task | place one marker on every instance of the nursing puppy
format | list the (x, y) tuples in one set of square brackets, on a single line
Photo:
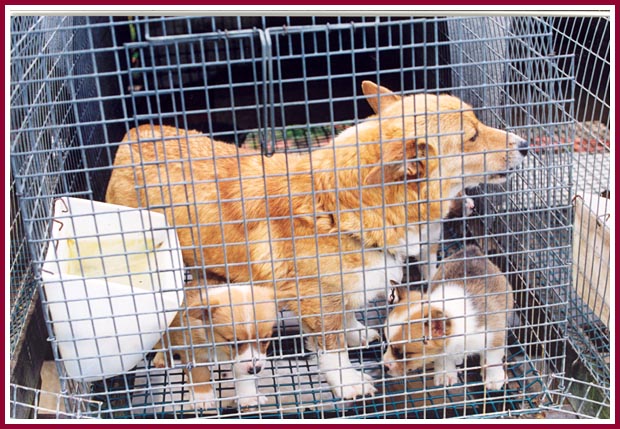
[(465, 312), (330, 228), (460, 208), (221, 324)]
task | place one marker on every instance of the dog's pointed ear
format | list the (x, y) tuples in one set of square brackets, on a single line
[(202, 301), (372, 91)]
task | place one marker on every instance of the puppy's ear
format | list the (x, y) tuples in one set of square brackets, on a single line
[(372, 92), (420, 160), (438, 326), (199, 302)]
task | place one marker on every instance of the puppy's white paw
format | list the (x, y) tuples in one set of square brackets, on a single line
[(448, 379), (468, 207), (494, 378), (251, 401), (362, 337), (352, 384), (204, 399)]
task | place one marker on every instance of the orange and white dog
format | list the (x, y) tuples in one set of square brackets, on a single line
[(465, 312), (221, 324), (329, 229)]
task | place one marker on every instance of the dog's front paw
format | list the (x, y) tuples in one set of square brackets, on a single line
[(494, 378), (447, 379), (362, 337), (352, 384), (251, 401), (204, 399)]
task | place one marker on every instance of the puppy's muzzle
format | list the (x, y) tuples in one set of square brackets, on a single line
[(251, 366), (255, 369)]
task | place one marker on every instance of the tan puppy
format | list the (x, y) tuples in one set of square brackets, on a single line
[(235, 321), (464, 313), (331, 227)]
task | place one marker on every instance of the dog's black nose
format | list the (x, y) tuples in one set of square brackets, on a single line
[(523, 146), (255, 369)]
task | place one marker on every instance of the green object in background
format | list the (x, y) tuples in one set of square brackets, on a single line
[(297, 137)]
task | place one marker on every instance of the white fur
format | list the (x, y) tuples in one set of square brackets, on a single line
[(204, 399), (418, 243), (357, 334), (382, 270), (379, 271), (346, 382), (245, 380), (467, 337), (469, 207)]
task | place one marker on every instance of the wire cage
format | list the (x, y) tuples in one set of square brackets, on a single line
[(49, 405), (121, 285)]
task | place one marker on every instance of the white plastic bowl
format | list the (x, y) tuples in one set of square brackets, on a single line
[(113, 282)]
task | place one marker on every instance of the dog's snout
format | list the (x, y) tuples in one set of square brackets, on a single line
[(523, 146), (516, 142)]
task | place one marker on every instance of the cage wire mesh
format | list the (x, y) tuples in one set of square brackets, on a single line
[(40, 404), (279, 88), (591, 297)]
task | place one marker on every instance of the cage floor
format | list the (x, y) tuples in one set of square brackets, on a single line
[(591, 172), (294, 389)]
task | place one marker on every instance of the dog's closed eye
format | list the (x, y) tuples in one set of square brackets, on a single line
[(397, 352)]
